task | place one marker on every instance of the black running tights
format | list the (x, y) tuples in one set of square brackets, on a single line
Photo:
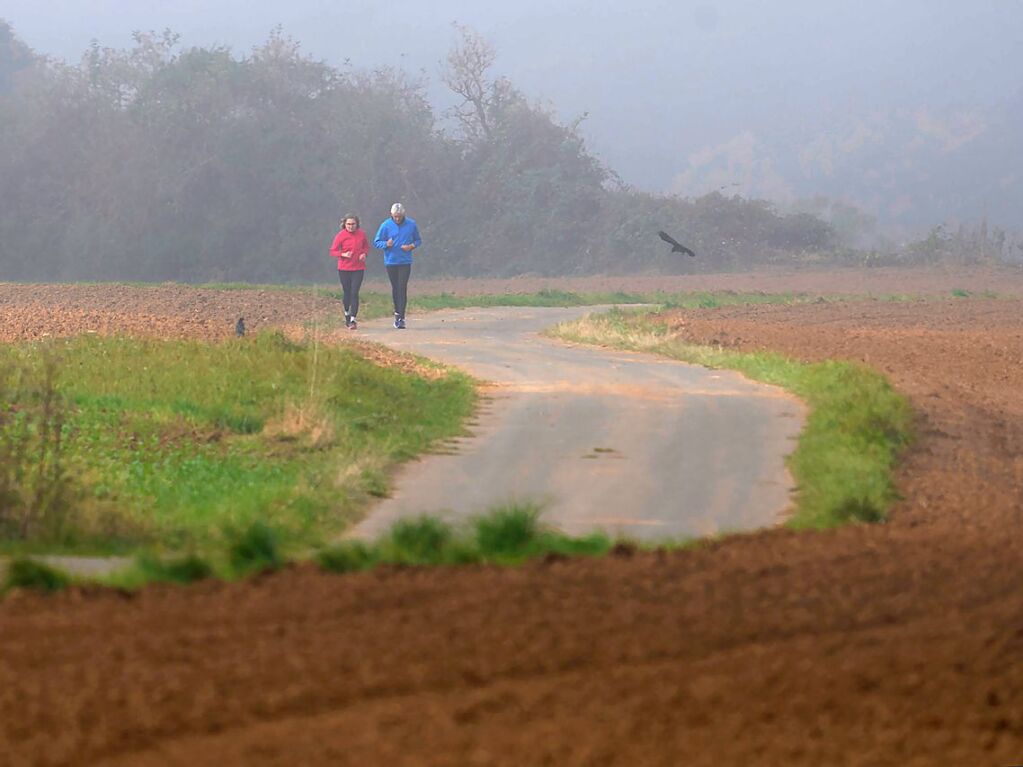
[(351, 282)]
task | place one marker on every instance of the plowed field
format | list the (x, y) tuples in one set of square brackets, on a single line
[(892, 644)]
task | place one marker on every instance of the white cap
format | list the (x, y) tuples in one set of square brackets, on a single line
[(397, 209)]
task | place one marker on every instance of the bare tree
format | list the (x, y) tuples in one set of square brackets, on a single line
[(466, 74)]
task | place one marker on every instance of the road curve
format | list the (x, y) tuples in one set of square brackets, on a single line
[(633, 444)]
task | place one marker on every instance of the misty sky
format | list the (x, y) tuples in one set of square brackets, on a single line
[(669, 87)]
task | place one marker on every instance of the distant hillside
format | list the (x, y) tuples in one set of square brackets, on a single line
[(908, 168)]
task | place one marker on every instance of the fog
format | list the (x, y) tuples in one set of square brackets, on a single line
[(911, 111)]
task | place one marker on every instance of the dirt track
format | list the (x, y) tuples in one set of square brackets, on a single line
[(894, 644)]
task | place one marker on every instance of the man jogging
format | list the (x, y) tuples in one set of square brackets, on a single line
[(398, 236)]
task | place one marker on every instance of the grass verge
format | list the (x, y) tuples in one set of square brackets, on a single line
[(149, 568), (856, 428), (177, 443), (373, 305), (248, 551), (506, 535)]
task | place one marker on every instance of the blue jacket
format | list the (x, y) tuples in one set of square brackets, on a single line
[(407, 233)]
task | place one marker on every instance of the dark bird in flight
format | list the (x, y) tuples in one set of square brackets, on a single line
[(676, 246), (239, 327)]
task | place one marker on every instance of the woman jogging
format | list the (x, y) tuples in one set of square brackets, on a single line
[(398, 236), (350, 248)]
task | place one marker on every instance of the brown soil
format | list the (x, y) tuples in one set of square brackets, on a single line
[(893, 644), (31, 312)]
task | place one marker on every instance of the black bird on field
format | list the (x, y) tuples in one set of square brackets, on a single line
[(676, 246), (239, 327)]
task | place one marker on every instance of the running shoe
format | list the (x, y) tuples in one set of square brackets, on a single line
[(348, 321), (353, 324), (400, 324)]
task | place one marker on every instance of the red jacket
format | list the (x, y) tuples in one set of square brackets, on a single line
[(350, 242)]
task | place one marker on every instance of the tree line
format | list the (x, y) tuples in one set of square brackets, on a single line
[(160, 162)]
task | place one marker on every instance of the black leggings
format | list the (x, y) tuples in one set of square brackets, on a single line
[(399, 274), (351, 282)]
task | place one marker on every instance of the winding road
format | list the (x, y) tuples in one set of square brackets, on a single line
[(632, 444)]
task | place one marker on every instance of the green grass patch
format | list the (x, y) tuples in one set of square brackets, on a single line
[(244, 552), (148, 568), (507, 535), (256, 549), (374, 305), (963, 293), (508, 531), (565, 298), (23, 573), (419, 541), (348, 556), (423, 540), (855, 431), (177, 443)]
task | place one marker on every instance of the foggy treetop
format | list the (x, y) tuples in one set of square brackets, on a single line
[(912, 111), (165, 162)]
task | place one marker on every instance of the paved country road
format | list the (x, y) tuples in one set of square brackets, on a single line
[(629, 443)]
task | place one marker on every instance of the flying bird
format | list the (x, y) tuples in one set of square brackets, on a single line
[(239, 327), (676, 246)]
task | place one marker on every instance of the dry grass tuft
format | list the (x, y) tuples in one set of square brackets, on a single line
[(307, 424)]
